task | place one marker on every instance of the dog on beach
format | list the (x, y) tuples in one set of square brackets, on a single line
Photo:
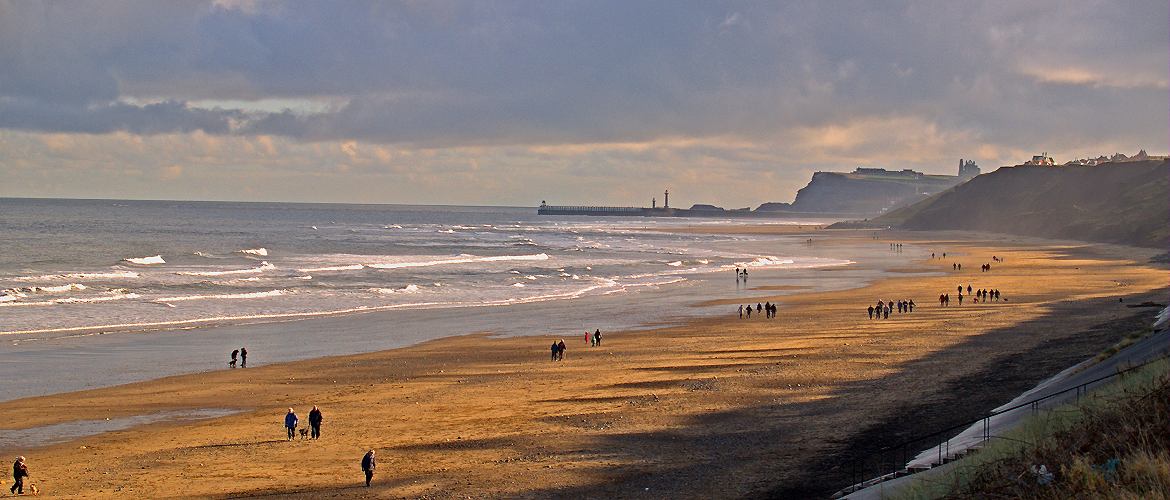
[(35, 491), (304, 433)]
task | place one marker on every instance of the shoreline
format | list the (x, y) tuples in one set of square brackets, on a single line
[(144, 355), (444, 408)]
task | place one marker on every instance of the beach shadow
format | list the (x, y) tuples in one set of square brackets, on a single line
[(804, 450)]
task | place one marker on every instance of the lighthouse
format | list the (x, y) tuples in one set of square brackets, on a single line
[(666, 199)]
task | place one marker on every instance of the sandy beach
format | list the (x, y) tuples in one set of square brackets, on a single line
[(717, 407)]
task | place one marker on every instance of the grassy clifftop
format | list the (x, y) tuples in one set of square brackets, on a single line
[(1127, 203)]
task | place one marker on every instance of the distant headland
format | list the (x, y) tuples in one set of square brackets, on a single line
[(861, 193)]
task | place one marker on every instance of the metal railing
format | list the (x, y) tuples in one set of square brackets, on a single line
[(889, 462)]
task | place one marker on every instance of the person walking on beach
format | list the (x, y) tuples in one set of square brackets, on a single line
[(368, 466), (597, 337), (968, 289), (887, 313), (315, 422), (235, 354), (588, 338), (749, 311), (910, 304), (243, 357), (554, 351), (19, 472), (870, 312), (561, 350), (741, 311), (290, 423)]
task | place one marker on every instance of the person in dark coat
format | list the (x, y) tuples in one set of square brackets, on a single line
[(368, 466), (235, 354), (290, 423), (19, 472), (315, 422), (243, 357)]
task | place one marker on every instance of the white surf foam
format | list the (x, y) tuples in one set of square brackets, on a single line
[(262, 252), (146, 261), (71, 300), (405, 289), (353, 267), (462, 259), (79, 276), (20, 292), (264, 266), (249, 295)]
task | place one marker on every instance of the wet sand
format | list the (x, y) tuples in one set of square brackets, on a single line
[(713, 408)]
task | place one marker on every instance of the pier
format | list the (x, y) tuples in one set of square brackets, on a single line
[(593, 210)]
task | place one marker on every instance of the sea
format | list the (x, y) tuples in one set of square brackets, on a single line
[(102, 292)]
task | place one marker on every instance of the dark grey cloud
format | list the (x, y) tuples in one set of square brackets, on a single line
[(459, 73)]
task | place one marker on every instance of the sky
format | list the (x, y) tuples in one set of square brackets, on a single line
[(593, 102)]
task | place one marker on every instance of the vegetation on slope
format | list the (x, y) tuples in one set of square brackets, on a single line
[(1126, 203), (1115, 444)]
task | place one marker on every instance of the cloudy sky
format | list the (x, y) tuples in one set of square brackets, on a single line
[(510, 102)]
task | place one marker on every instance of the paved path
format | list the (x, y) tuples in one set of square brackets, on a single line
[(1151, 347)]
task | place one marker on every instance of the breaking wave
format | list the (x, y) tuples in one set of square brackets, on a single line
[(146, 261)]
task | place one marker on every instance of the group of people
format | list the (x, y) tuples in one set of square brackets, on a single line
[(741, 274), (315, 418), (883, 308), (985, 295), (241, 355), (369, 464), (897, 247), (558, 350), (594, 339), (768, 309)]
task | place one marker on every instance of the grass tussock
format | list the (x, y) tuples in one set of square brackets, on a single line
[(1114, 445), (1127, 341)]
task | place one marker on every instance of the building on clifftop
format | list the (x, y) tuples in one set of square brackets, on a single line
[(968, 169), (1043, 159)]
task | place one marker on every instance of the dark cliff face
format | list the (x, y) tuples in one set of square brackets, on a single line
[(1127, 203), (834, 192)]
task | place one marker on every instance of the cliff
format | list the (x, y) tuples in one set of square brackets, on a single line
[(862, 192), (1126, 203)]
